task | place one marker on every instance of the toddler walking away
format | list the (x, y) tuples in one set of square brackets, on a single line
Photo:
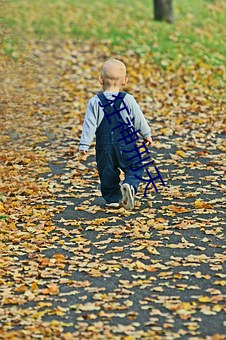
[(114, 117)]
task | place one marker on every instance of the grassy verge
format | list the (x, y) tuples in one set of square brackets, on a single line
[(197, 33)]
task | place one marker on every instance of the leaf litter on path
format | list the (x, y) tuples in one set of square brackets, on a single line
[(69, 267)]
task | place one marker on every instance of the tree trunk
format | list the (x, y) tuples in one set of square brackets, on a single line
[(163, 10)]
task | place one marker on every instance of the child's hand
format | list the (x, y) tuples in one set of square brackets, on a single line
[(83, 152), (148, 141)]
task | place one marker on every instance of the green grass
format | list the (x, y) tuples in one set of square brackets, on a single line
[(198, 31)]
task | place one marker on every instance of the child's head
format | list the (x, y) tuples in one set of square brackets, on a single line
[(113, 75)]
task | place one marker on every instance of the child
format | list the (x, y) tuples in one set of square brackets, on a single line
[(114, 117)]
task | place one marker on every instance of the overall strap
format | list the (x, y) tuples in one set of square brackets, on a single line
[(105, 103)]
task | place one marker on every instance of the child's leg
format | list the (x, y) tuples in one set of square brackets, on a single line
[(131, 179), (107, 166), (129, 167)]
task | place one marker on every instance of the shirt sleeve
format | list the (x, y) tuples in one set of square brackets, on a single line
[(89, 128), (140, 122)]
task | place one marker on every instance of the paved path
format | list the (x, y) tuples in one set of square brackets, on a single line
[(153, 273)]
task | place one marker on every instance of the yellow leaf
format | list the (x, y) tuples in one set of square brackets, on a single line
[(34, 286), (222, 282), (38, 315), (160, 226), (158, 289), (100, 221), (202, 205), (192, 326), (204, 299), (140, 265), (217, 308), (183, 240), (181, 153), (67, 336), (187, 305), (78, 239), (153, 251), (44, 304), (115, 250), (1, 208), (12, 225)]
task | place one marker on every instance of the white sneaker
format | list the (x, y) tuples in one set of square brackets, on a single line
[(128, 194), (113, 205)]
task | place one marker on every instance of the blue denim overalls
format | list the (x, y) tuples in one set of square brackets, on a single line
[(110, 156)]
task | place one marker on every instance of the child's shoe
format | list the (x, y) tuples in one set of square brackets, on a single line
[(113, 205), (128, 194)]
